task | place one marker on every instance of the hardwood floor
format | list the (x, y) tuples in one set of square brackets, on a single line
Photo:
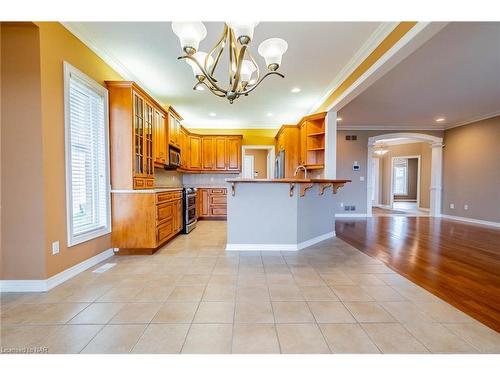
[(455, 261)]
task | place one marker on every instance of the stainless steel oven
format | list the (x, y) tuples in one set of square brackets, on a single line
[(189, 209)]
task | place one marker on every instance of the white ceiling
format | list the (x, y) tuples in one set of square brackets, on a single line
[(455, 75), (147, 53)]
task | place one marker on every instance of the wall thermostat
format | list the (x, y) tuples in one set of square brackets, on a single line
[(355, 166)]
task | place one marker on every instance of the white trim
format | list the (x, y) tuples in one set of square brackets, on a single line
[(51, 282), (436, 167), (474, 119), (352, 215), (391, 197), (391, 127), (411, 41), (279, 247), (470, 220), (366, 49), (270, 149), (68, 71), (384, 206)]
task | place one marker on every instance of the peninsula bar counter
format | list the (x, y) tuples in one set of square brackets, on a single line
[(280, 214)]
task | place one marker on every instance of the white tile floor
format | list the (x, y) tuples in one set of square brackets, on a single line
[(193, 297)]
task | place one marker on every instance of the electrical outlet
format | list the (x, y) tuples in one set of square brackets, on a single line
[(353, 208), (55, 248), (466, 206), (347, 208), (361, 178), (452, 205)]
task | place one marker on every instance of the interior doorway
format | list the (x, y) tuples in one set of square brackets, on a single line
[(393, 182), (258, 162)]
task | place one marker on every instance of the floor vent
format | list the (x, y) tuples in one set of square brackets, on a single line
[(104, 268)]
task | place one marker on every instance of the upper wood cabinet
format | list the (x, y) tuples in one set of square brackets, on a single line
[(174, 128), (160, 139), (220, 161), (132, 135), (207, 153), (184, 147), (233, 153), (304, 144), (195, 154)]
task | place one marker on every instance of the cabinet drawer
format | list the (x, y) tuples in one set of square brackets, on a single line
[(168, 196), (164, 231), (218, 191), (220, 210), (164, 211), (150, 183), (218, 199), (143, 183)]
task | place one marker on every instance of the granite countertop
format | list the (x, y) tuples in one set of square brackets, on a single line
[(151, 191)]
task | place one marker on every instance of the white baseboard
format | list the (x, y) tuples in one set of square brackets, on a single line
[(424, 209), (473, 221), (352, 215), (385, 206), (51, 282), (279, 247)]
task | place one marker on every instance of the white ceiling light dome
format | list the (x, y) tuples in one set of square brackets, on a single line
[(190, 35), (272, 51), (243, 31)]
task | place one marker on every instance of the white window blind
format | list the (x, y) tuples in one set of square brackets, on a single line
[(400, 186), (87, 164)]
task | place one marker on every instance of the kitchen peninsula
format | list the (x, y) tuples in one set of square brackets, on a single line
[(280, 214)]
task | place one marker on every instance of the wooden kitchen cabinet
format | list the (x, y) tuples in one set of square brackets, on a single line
[(135, 137), (212, 203), (233, 153), (184, 147), (195, 153), (220, 160), (174, 127), (207, 153), (160, 139), (143, 222)]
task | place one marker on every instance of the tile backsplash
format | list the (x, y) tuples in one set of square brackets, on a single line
[(167, 178), (207, 179)]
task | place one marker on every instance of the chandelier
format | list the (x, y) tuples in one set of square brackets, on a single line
[(380, 149), (244, 72)]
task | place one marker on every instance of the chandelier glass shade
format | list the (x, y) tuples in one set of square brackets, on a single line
[(244, 72), (380, 150)]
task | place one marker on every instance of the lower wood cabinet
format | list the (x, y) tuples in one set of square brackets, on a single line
[(142, 222), (212, 203)]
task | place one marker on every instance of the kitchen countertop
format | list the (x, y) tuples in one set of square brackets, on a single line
[(287, 180), (146, 191)]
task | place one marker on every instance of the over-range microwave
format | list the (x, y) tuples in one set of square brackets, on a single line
[(174, 157)]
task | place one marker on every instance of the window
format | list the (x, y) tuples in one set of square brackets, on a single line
[(400, 179), (87, 161)]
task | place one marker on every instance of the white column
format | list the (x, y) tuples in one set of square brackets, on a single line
[(369, 180), (331, 145), (436, 179)]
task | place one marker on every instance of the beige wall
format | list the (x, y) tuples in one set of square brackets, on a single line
[(56, 46), (36, 149), (259, 162), (471, 170), (23, 208), (421, 149), (354, 193)]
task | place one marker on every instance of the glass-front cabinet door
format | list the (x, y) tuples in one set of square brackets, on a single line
[(138, 135), (148, 139)]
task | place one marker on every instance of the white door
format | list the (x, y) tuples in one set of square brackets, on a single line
[(248, 171)]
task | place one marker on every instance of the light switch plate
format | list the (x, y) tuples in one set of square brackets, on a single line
[(466, 206), (55, 248), (452, 205)]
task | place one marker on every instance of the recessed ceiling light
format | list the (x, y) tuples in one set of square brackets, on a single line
[(295, 90), (269, 114), (339, 118), (440, 119), (212, 114)]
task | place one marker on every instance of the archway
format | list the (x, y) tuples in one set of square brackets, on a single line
[(436, 144)]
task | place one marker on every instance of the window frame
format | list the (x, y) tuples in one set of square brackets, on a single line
[(72, 239), (405, 192)]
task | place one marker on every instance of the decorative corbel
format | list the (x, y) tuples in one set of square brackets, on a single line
[(233, 189), (292, 188), (323, 186), (304, 187)]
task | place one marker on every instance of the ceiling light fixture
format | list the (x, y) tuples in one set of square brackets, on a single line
[(269, 114), (244, 73), (295, 90), (212, 114), (380, 150), (339, 119), (440, 119)]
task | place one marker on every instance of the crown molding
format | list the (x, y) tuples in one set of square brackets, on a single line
[(366, 49), (105, 55), (474, 119), (389, 127)]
